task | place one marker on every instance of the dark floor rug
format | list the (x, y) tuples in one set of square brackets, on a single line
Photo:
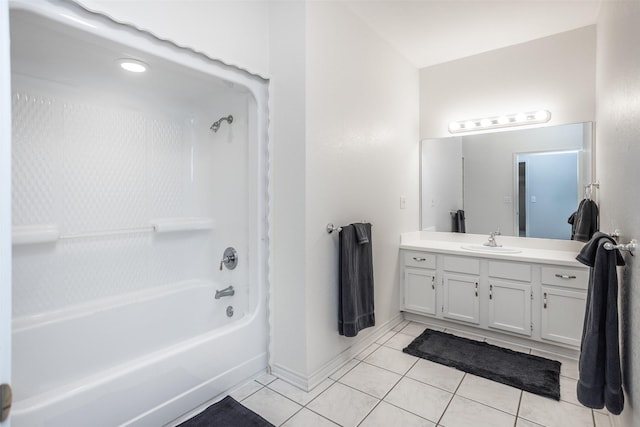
[(524, 371), (227, 413)]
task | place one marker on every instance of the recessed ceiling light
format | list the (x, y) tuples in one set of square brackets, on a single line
[(133, 65)]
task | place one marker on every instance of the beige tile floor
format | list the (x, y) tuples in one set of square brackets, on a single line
[(385, 387)]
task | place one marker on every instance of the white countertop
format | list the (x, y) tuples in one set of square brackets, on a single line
[(548, 251)]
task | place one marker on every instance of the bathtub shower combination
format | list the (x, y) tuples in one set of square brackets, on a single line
[(128, 187)]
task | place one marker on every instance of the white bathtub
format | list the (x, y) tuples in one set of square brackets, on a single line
[(114, 318), (100, 365)]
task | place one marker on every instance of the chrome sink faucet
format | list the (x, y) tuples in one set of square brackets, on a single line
[(492, 239)]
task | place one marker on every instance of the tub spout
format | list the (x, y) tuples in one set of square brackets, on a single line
[(226, 292)]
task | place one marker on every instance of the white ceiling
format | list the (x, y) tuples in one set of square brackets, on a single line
[(429, 32)]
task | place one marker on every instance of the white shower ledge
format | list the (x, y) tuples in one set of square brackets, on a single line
[(559, 252)]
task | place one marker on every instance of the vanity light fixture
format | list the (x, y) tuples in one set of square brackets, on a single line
[(133, 65), (506, 120)]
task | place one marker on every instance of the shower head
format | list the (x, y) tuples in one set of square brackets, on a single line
[(216, 125)]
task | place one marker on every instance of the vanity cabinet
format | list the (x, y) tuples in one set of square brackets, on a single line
[(510, 297), (420, 282), (535, 301), (460, 285), (563, 293)]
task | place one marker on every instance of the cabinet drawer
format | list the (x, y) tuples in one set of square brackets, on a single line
[(510, 270), (566, 276), (462, 265), (420, 260)]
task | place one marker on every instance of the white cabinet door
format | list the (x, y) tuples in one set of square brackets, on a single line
[(420, 290), (461, 301), (562, 315), (510, 307)]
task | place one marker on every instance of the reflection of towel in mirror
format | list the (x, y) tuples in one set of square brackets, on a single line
[(600, 378), (584, 221), (457, 222), (355, 310)]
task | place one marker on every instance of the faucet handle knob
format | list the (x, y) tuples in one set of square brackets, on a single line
[(229, 259)]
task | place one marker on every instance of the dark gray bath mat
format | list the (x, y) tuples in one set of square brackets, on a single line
[(524, 371), (226, 413)]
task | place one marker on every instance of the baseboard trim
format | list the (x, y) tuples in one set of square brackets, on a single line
[(307, 383), (345, 356)]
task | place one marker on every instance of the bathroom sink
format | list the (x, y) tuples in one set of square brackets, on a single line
[(496, 249)]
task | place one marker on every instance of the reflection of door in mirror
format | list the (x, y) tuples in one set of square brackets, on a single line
[(547, 193)]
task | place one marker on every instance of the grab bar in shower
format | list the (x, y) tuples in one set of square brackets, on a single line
[(32, 234), (167, 225), (50, 233)]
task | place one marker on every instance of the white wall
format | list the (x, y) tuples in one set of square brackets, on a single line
[(362, 155), (288, 201), (235, 32), (618, 155), (556, 73)]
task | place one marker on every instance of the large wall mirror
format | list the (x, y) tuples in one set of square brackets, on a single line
[(522, 182)]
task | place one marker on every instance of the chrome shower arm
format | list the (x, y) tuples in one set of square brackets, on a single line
[(216, 125)]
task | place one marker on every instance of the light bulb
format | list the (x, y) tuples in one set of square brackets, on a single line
[(454, 126), (485, 123), (469, 124), (503, 120), (521, 117), (542, 115)]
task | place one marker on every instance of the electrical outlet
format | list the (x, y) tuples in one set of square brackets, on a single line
[(403, 202)]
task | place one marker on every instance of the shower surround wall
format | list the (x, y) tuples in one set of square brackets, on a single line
[(109, 306)]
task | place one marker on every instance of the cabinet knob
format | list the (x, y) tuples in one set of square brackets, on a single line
[(544, 300), (415, 258), (476, 289), (433, 282), (490, 291)]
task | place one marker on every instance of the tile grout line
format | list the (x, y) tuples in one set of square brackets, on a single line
[(518, 410), (403, 376), (455, 392)]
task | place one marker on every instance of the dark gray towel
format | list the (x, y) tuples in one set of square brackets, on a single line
[(356, 311), (457, 222), (600, 382), (584, 221), (362, 233)]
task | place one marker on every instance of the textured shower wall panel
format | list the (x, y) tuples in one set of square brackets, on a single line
[(94, 169), (168, 171), (73, 271), (104, 169), (36, 136)]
